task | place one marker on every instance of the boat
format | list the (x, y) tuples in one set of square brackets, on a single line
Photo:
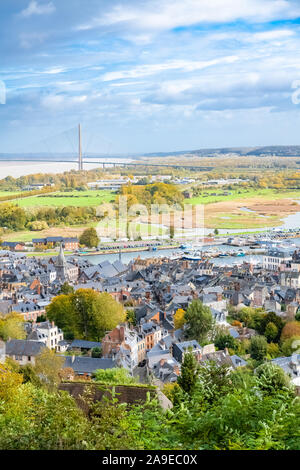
[(195, 256), (241, 254)]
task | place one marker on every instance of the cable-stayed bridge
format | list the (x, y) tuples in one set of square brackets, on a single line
[(71, 142)]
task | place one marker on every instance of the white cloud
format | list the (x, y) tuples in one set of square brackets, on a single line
[(34, 8), (169, 14), (184, 65)]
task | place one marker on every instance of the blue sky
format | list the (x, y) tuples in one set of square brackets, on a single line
[(151, 75)]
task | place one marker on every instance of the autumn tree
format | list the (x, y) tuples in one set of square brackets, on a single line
[(89, 238), (12, 326), (179, 319), (271, 332), (48, 366), (292, 328), (86, 314)]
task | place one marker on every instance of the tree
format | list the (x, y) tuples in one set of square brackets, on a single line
[(258, 348), (12, 326), (114, 376), (179, 319), (12, 217), (48, 366), (273, 351), (246, 314), (172, 231), (214, 380), (66, 289), (37, 225), (223, 341), (292, 328), (29, 375), (271, 332), (199, 321), (89, 238), (130, 317), (189, 373), (96, 352), (290, 346), (86, 314), (271, 318), (271, 378), (297, 316)]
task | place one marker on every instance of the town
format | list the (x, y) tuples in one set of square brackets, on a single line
[(156, 293)]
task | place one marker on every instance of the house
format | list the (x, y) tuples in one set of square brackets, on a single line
[(259, 295), (13, 246), (83, 346), (126, 345), (291, 366), (23, 351), (86, 366), (276, 259), (180, 349), (46, 332), (290, 279), (70, 244)]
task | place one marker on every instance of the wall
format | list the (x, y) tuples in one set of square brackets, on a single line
[(125, 394)]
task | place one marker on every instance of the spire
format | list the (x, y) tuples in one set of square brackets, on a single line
[(61, 267), (61, 260)]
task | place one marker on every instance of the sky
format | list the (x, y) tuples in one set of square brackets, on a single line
[(149, 75)]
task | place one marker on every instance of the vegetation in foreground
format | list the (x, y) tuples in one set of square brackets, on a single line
[(213, 408)]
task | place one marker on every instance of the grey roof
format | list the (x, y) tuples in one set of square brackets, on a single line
[(88, 365), (237, 361), (80, 343), (186, 345), (20, 347), (233, 333)]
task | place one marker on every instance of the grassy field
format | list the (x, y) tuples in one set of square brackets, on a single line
[(240, 194), (268, 208), (75, 199), (8, 193)]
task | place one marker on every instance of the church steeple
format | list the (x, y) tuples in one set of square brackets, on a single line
[(61, 265), (61, 260)]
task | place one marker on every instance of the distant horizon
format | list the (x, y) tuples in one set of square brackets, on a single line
[(230, 149)]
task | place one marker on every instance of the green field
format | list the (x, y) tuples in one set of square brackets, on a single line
[(237, 194), (8, 193), (75, 199)]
